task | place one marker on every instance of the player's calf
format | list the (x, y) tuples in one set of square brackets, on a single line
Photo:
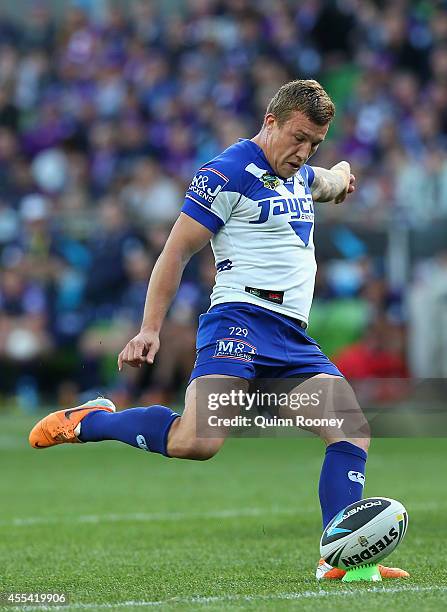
[(347, 437)]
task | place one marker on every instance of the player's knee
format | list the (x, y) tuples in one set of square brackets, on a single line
[(363, 437), (362, 443)]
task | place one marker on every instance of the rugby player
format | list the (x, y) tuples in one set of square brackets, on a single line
[(255, 203)]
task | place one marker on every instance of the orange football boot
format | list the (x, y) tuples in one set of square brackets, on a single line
[(65, 425), (327, 572)]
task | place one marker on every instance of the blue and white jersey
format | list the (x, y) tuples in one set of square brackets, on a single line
[(263, 230)]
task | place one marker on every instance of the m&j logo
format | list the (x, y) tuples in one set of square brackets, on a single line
[(206, 184), (234, 349)]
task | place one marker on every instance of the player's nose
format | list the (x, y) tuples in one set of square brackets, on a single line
[(303, 152)]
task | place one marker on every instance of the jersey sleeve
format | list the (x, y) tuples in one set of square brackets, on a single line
[(208, 199), (310, 174)]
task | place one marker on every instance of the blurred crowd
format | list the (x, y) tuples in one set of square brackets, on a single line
[(104, 117)]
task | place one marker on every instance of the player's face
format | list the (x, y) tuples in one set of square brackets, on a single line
[(289, 146)]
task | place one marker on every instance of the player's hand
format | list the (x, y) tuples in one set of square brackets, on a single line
[(141, 349), (344, 169), (351, 186)]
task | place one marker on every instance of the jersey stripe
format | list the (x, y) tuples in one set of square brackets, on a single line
[(216, 172), (203, 206)]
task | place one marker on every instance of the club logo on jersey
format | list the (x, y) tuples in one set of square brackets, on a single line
[(230, 348), (270, 181), (206, 184)]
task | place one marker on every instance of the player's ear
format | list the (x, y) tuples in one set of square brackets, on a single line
[(269, 121)]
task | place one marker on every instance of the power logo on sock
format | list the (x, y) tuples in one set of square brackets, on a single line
[(357, 477), (141, 441)]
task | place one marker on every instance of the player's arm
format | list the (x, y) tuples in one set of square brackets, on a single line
[(186, 238), (334, 184)]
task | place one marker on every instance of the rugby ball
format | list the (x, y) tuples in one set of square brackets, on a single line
[(366, 531)]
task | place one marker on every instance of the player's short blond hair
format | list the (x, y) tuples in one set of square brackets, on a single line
[(307, 96)]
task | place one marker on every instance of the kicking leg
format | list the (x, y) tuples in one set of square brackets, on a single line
[(156, 428), (184, 440)]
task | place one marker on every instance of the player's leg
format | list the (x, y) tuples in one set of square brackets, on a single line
[(331, 398), (147, 428), (342, 475), (347, 440), (190, 437)]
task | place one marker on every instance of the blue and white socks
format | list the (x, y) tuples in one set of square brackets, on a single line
[(145, 428), (342, 478)]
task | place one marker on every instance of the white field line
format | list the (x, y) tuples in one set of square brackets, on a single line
[(148, 517), (229, 598), (151, 517)]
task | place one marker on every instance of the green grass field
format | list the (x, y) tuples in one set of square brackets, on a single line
[(120, 529)]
